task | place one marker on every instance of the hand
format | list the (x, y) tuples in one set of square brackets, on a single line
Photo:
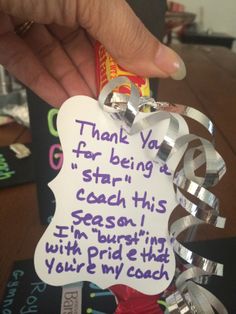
[(55, 58)]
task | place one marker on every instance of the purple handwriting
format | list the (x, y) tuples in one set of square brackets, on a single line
[(64, 232), (154, 248), (164, 169), (87, 154), (115, 199), (151, 204), (135, 273), (131, 239), (148, 274), (128, 163), (68, 248), (147, 143), (115, 270), (115, 138), (148, 255), (72, 266), (109, 253), (109, 222), (154, 240), (99, 177), (126, 239)]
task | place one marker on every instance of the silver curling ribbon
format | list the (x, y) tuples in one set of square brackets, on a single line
[(191, 190)]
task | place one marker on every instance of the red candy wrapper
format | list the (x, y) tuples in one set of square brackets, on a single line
[(107, 69), (130, 301)]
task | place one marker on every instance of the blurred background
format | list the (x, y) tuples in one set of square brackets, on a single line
[(202, 22)]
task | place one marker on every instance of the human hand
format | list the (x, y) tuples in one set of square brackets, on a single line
[(55, 57)]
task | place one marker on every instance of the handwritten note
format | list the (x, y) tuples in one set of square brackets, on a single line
[(113, 203)]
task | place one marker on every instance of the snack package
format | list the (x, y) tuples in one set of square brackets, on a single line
[(107, 69)]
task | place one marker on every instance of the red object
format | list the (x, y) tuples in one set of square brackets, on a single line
[(107, 69), (131, 301)]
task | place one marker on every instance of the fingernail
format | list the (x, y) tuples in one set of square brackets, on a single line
[(170, 63), (180, 72)]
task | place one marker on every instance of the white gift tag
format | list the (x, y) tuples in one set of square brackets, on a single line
[(113, 204)]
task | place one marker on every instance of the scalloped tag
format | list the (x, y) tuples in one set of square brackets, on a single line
[(113, 204)]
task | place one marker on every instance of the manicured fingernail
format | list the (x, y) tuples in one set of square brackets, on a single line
[(170, 63), (180, 72)]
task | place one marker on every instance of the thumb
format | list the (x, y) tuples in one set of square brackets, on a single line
[(115, 25)]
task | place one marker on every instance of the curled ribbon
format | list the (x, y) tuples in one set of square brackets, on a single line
[(189, 297)]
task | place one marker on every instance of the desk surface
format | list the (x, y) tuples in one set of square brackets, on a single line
[(210, 86)]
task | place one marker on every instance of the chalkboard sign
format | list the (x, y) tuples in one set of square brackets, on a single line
[(46, 151), (14, 171), (26, 293)]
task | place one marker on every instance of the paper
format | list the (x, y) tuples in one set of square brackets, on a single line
[(112, 204)]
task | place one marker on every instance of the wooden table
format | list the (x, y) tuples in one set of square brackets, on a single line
[(210, 86)]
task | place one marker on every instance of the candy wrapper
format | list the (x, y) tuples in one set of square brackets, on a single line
[(107, 69)]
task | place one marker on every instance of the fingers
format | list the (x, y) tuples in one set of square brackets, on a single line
[(43, 11), (80, 50), (20, 61), (53, 57), (115, 25), (61, 79)]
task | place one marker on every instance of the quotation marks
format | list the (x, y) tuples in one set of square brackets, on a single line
[(142, 233), (128, 178), (74, 166)]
